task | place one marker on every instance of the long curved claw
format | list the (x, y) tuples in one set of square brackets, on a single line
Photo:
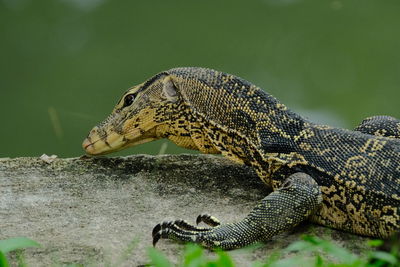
[(156, 237), (156, 229), (208, 219), (178, 225), (175, 234), (178, 230), (184, 225), (160, 226)]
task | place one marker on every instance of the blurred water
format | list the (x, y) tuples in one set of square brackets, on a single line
[(65, 63)]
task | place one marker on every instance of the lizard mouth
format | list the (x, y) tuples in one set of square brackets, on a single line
[(89, 146), (95, 145)]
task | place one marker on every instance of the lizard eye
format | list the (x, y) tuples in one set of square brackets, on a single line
[(129, 100)]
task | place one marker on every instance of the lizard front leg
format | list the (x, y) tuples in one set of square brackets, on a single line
[(281, 210)]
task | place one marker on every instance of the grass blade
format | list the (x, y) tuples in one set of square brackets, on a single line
[(12, 244)]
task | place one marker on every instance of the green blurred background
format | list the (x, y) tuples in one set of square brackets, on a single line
[(65, 63)]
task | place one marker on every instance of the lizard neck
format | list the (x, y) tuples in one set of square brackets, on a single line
[(278, 126), (237, 108)]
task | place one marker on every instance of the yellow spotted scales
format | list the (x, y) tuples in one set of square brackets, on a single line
[(344, 179)]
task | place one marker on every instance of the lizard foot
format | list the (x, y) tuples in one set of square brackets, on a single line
[(281, 210), (227, 236), (180, 225)]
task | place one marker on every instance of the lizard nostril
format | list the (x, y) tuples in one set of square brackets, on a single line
[(94, 130)]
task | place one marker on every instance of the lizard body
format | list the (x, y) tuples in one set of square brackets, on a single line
[(344, 179)]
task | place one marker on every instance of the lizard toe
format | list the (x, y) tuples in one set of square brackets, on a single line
[(208, 219)]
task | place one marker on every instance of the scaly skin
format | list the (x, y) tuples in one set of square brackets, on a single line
[(344, 179)]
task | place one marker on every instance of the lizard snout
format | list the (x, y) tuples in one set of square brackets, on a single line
[(88, 146), (97, 144)]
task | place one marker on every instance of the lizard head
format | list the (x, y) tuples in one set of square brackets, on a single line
[(141, 116)]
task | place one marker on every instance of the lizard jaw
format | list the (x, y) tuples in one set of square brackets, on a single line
[(94, 145), (112, 142)]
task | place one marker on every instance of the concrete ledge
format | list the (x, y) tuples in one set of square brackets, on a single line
[(88, 210)]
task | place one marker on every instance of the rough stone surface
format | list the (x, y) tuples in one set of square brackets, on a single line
[(91, 210)]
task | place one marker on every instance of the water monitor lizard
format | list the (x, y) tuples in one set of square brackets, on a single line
[(344, 179)]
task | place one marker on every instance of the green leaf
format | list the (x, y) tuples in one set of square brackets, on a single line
[(258, 264), (312, 239), (384, 256), (272, 259), (3, 260), (157, 258), (375, 243), (294, 261), (298, 246), (314, 244), (319, 262), (17, 243), (341, 253), (224, 259), (193, 255), (20, 258)]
